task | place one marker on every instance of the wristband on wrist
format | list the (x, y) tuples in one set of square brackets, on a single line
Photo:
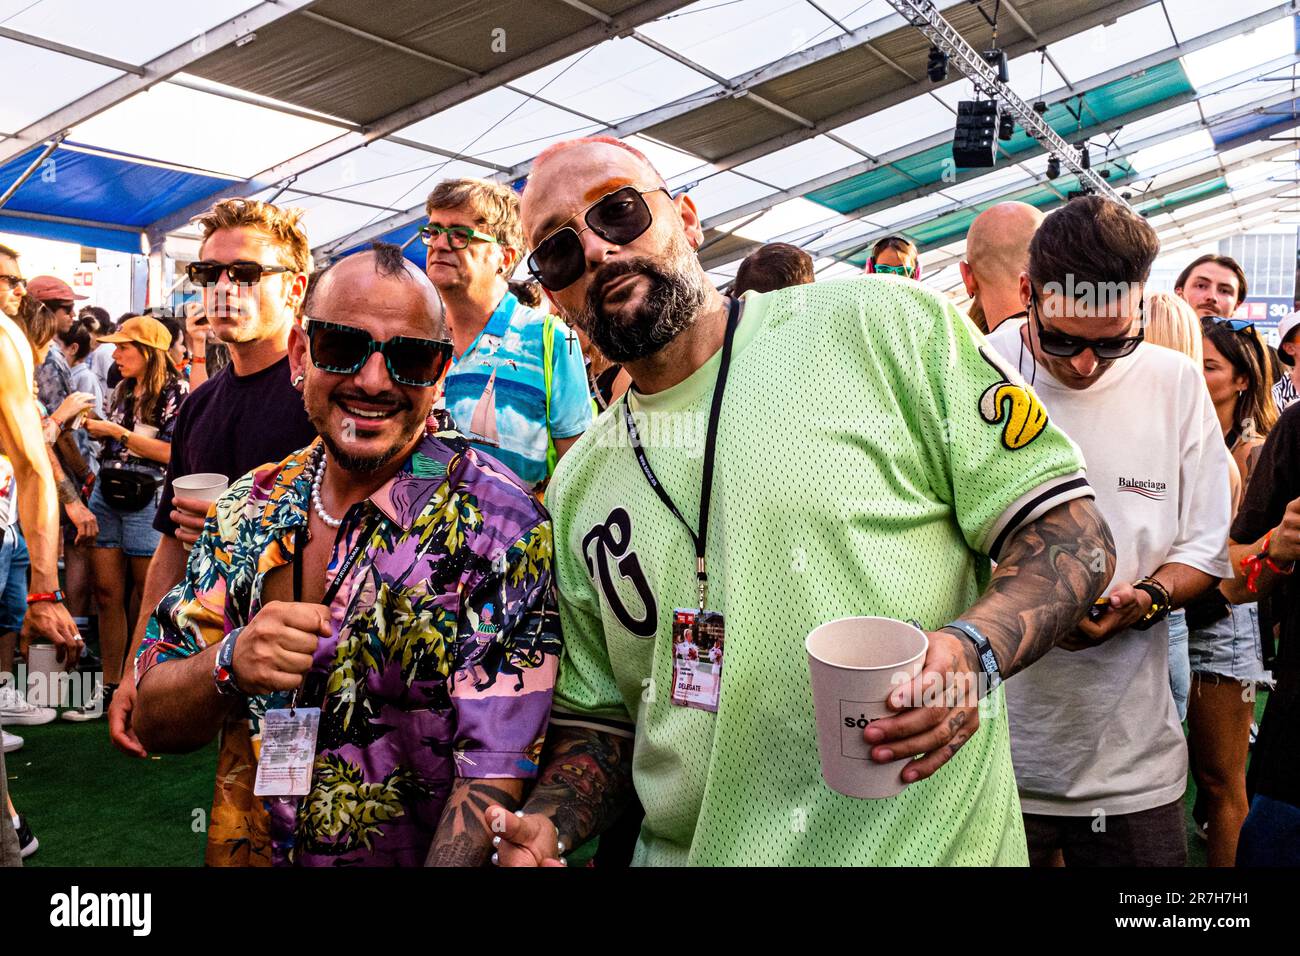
[(1253, 565), (198, 360), (984, 651), (1161, 603), (54, 597), (223, 672)]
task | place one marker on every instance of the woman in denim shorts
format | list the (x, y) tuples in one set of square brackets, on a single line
[(136, 434), (1224, 650), (1174, 324)]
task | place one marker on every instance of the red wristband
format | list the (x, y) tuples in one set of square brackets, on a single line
[(1252, 565), (37, 598)]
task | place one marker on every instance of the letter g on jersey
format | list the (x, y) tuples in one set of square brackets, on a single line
[(612, 539), (1012, 403)]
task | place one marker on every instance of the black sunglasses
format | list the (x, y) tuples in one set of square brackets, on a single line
[(14, 281), (1068, 346), (619, 217), (206, 272), (344, 349)]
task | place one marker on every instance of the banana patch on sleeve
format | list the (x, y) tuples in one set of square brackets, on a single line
[(1012, 405)]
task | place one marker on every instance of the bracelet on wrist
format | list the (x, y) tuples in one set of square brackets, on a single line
[(1253, 565), (223, 672), (1161, 603), (37, 597)]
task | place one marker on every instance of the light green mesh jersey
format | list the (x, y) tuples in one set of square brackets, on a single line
[(872, 450)]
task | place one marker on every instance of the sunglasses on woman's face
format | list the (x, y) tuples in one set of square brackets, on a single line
[(344, 349), (904, 271), (207, 272), (1068, 346), (620, 217)]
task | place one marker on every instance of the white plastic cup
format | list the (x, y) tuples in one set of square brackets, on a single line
[(145, 431), (854, 664), (44, 687), (202, 486)]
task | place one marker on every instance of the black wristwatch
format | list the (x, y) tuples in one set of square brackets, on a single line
[(983, 650)]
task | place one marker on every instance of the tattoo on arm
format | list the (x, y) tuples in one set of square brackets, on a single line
[(1048, 575), (585, 781), (464, 835)]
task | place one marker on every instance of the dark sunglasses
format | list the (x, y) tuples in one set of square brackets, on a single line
[(620, 217), (14, 281), (344, 349), (1068, 346), (206, 272)]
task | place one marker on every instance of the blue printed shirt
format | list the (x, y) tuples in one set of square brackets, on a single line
[(508, 421)]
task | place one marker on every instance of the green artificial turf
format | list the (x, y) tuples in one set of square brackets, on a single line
[(91, 805)]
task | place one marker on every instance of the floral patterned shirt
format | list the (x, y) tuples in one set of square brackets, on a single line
[(121, 410), (442, 665)]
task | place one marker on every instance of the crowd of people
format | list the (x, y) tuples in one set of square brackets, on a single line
[(476, 528)]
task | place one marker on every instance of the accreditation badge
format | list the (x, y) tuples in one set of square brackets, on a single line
[(697, 658), (288, 752)]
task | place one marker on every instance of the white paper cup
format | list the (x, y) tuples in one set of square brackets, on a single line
[(44, 686), (145, 431), (854, 664), (202, 486)]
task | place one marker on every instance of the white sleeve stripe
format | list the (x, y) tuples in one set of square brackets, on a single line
[(1033, 505), (617, 728)]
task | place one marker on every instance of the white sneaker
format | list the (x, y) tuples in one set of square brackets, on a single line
[(92, 709), (16, 711), (12, 742)]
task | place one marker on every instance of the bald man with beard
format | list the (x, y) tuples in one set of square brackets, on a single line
[(997, 251)]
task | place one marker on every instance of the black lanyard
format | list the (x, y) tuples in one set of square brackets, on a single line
[(710, 447), (299, 547)]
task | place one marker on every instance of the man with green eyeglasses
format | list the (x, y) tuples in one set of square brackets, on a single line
[(522, 399)]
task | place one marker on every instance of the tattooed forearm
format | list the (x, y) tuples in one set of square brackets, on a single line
[(464, 835), (1047, 577), (585, 781)]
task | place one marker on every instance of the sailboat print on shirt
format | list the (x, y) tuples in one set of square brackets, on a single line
[(483, 424)]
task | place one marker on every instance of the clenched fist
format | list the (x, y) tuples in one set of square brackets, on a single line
[(275, 649)]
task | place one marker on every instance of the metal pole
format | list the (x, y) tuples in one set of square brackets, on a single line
[(35, 165)]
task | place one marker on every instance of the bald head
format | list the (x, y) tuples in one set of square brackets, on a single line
[(997, 251), (616, 164), (379, 280), (998, 241)]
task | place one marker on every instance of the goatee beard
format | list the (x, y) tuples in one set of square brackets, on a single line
[(670, 306)]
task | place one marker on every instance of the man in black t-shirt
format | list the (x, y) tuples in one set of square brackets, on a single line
[(1265, 547), (252, 269)]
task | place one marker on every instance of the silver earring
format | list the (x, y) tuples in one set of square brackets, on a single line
[(297, 380)]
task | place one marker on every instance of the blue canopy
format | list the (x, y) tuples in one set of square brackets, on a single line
[(96, 197)]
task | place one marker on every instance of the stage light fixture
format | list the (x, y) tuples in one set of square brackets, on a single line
[(937, 65), (998, 60)]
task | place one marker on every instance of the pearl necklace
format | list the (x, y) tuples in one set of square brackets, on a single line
[(330, 521)]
